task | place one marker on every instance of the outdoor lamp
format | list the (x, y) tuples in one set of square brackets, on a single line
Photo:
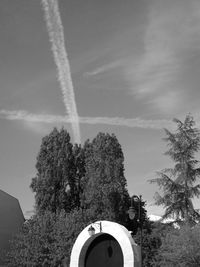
[(131, 213), (91, 229)]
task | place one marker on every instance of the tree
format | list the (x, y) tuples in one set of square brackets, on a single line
[(104, 185), (150, 247), (74, 187), (79, 173), (47, 239), (178, 183), (56, 182), (180, 247)]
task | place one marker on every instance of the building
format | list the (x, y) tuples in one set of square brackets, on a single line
[(11, 219)]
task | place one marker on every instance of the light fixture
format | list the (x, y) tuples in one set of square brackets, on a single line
[(131, 213), (91, 229)]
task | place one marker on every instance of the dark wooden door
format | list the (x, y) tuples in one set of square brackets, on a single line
[(104, 251)]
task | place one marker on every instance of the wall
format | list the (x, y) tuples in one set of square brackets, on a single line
[(11, 219), (130, 250)]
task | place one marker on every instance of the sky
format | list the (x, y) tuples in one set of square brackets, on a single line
[(124, 67)]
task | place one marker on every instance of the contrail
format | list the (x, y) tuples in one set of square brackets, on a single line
[(56, 36), (25, 116), (154, 124)]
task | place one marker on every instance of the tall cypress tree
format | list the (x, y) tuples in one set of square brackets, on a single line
[(105, 188), (54, 184)]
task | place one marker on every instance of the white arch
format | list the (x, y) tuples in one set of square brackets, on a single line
[(130, 250)]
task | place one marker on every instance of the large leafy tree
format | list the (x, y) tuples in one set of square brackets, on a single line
[(47, 240), (180, 247), (74, 186), (179, 183), (56, 181), (104, 186)]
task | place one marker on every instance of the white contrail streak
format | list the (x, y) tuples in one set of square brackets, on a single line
[(56, 36), (22, 115)]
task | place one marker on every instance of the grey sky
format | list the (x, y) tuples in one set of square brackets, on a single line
[(133, 63)]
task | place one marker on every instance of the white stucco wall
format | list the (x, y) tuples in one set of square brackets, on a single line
[(130, 250)]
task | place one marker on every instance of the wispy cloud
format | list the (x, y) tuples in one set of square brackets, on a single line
[(104, 68), (167, 101), (115, 121), (172, 34), (56, 35)]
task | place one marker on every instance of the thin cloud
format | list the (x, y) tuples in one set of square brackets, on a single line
[(115, 121), (167, 102), (172, 34), (56, 36), (156, 65), (104, 68)]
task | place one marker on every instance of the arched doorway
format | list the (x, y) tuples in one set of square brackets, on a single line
[(104, 251), (121, 236)]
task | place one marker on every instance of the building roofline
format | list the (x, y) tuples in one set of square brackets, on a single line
[(5, 193)]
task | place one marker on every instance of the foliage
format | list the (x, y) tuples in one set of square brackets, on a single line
[(66, 172), (104, 185), (151, 241), (79, 173), (47, 239), (56, 182), (178, 183), (74, 186), (180, 247), (150, 247)]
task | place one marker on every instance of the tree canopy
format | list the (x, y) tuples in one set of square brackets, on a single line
[(104, 185), (74, 185), (59, 168), (180, 247), (178, 183), (47, 239)]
